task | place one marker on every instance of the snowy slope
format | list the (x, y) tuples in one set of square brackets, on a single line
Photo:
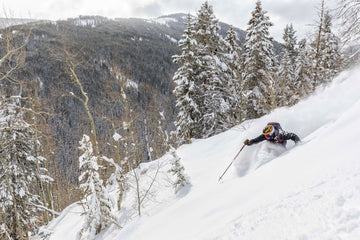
[(311, 191)]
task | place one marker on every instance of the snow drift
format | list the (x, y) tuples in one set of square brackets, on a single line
[(311, 191)]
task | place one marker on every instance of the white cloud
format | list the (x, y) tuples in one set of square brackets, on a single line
[(301, 13)]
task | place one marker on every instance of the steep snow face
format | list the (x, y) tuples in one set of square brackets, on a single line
[(310, 191)]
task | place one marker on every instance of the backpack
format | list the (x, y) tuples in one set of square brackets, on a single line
[(276, 125)]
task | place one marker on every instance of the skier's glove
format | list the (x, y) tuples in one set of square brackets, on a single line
[(247, 142)]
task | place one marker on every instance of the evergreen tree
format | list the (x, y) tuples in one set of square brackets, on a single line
[(290, 42), (186, 90), (315, 49), (97, 206), (18, 173), (285, 86), (202, 81), (286, 80), (330, 51), (304, 73), (259, 65), (177, 170), (209, 73), (234, 62), (325, 52)]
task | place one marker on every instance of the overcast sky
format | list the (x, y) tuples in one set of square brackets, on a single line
[(301, 13)]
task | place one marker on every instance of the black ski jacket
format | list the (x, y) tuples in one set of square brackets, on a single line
[(280, 138)]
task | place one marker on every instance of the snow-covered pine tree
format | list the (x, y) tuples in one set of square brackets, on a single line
[(19, 206), (233, 60), (96, 203), (315, 48), (187, 91), (210, 73), (285, 91), (290, 42), (325, 51), (286, 78), (177, 169), (259, 64), (304, 71), (330, 59)]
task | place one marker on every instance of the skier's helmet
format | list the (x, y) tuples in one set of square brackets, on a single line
[(269, 131)]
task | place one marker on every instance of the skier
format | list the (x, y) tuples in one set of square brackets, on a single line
[(272, 134)]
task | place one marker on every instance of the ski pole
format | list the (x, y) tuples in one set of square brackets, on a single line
[(231, 162)]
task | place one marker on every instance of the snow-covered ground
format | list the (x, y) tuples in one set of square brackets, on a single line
[(311, 191)]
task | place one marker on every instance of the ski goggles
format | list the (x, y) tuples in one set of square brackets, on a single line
[(268, 136)]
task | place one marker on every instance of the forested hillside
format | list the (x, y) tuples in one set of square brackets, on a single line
[(108, 56)]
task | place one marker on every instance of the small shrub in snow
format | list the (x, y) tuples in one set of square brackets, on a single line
[(177, 170)]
